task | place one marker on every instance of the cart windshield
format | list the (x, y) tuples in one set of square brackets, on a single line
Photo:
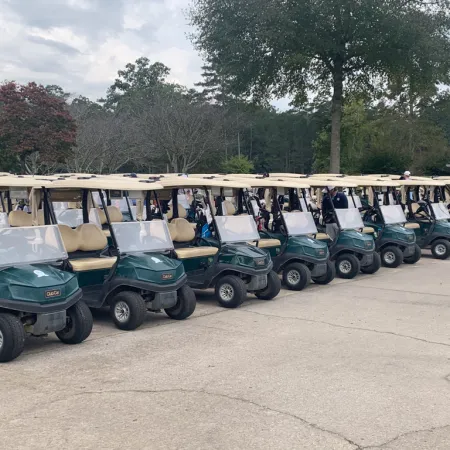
[(393, 214), (74, 217), (30, 245), (237, 228), (299, 223), (139, 237), (349, 219), (440, 211)]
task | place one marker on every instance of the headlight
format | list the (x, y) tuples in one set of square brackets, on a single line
[(260, 262)]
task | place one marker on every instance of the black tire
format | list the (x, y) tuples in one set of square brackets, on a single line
[(79, 324), (329, 276), (230, 291), (13, 337), (273, 287), (391, 256), (414, 258), (352, 266), (374, 267), (186, 303), (296, 276), (128, 310), (440, 249)]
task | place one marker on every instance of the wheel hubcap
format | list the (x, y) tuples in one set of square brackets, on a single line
[(389, 257), (1, 340), (226, 292), (440, 249), (345, 267), (293, 277), (122, 312)]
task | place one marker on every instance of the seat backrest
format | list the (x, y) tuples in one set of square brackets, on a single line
[(92, 238), (101, 216), (172, 230), (20, 219), (183, 231), (414, 207), (40, 217), (70, 237), (181, 212), (114, 214), (228, 208)]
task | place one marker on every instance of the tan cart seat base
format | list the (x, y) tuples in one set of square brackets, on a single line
[(87, 264), (195, 252), (368, 230), (322, 237), (412, 226), (267, 243)]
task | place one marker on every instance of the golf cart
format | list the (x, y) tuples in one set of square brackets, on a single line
[(136, 271), (37, 297), (394, 238), (289, 237), (228, 258), (426, 210), (353, 249)]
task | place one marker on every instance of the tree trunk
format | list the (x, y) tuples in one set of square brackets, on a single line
[(336, 117)]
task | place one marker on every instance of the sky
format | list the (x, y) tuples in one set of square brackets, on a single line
[(81, 44)]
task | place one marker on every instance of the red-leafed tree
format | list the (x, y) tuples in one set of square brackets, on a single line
[(34, 121)]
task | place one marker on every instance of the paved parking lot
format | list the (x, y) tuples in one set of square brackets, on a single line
[(361, 364)]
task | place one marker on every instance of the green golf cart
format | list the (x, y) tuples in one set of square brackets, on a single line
[(289, 236), (37, 297), (227, 258), (394, 238), (426, 210), (137, 272), (353, 248)]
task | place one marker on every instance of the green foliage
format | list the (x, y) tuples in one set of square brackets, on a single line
[(238, 164), (267, 48)]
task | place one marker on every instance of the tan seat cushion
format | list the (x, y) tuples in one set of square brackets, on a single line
[(20, 218), (114, 214), (41, 217), (193, 225), (87, 264), (412, 226), (267, 243), (183, 230), (181, 212), (107, 233), (368, 230), (228, 208), (70, 237), (101, 216), (322, 237), (172, 230), (92, 238), (195, 252)]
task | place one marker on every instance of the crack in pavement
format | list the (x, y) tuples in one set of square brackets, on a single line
[(408, 433), (348, 327), (213, 394)]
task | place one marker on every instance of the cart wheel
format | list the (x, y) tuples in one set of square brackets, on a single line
[(128, 310), (79, 324), (273, 287), (329, 276), (230, 291), (185, 306), (391, 256), (414, 258), (296, 276), (374, 267), (347, 266), (12, 337), (440, 249)]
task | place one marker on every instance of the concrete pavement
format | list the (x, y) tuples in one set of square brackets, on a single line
[(360, 364)]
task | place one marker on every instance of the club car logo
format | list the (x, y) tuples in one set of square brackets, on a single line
[(167, 276), (52, 293), (260, 261)]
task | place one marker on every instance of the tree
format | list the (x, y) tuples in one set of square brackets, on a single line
[(238, 164), (139, 79), (34, 121), (287, 47)]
